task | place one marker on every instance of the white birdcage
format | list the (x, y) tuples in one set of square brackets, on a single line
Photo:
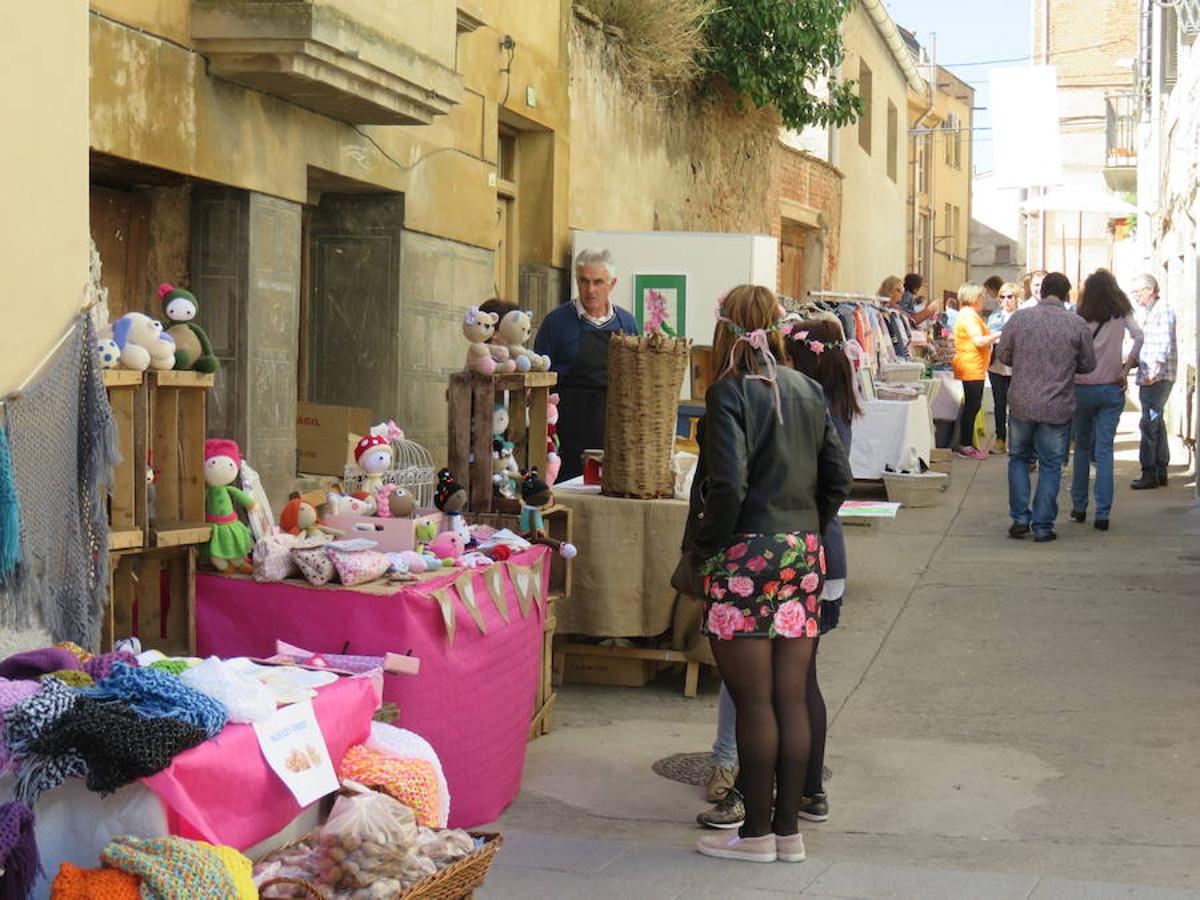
[(412, 469)]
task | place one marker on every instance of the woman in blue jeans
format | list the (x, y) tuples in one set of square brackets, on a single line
[(1100, 394), (816, 348)]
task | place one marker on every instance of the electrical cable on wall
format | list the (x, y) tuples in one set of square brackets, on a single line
[(511, 46)]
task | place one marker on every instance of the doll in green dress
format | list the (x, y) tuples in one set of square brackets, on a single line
[(231, 542)]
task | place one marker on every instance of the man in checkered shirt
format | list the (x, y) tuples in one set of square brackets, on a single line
[(1155, 378)]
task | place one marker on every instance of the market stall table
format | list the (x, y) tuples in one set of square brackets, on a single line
[(891, 433), (473, 698), (221, 791)]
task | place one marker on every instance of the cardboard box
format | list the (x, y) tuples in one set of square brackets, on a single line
[(619, 671), (702, 373), (323, 436), (390, 535)]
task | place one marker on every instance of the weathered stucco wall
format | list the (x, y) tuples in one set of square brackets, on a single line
[(677, 164), (43, 180), (874, 207)]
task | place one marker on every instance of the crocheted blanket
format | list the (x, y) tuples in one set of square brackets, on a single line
[(172, 867), (64, 445)]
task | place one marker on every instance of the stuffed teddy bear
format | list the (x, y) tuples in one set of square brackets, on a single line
[(231, 541), (515, 328), (553, 460), (192, 348), (142, 343), (536, 496), (300, 518), (478, 327)]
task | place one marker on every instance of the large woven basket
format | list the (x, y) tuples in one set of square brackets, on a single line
[(456, 881), (645, 375)]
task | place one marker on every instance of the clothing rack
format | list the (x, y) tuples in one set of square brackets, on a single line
[(845, 297)]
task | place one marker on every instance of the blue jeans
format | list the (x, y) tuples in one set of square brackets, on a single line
[(1097, 412), (1049, 444), (724, 750), (1155, 451)]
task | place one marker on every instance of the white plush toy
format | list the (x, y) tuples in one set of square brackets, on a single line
[(515, 328), (108, 352), (141, 342)]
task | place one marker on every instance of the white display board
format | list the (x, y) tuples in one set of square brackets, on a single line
[(711, 264)]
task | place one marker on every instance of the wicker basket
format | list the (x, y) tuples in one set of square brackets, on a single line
[(645, 375), (456, 881), (916, 490)]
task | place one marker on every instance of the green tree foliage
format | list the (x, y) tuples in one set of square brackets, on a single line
[(774, 52)]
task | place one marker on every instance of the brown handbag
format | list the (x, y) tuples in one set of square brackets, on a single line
[(686, 580)]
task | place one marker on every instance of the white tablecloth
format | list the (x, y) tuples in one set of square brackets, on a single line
[(894, 433)]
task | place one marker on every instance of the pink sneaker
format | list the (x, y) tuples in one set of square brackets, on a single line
[(790, 848), (731, 846)]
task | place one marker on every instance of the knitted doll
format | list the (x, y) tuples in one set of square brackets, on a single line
[(193, 350), (231, 541), (536, 496), (451, 498), (299, 518), (373, 455), (553, 460)]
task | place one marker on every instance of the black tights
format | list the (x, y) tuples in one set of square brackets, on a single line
[(817, 724), (768, 680)]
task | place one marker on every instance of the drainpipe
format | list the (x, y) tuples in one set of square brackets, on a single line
[(891, 36), (928, 141)]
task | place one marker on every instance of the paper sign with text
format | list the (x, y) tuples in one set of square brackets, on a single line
[(294, 747)]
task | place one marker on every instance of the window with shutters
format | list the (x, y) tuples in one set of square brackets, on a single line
[(865, 88), (893, 140)]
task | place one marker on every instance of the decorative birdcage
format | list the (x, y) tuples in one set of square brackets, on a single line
[(412, 469)]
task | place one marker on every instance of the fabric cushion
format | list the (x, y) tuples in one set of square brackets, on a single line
[(315, 565), (359, 566)]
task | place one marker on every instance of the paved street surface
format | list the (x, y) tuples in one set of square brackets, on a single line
[(1009, 720)]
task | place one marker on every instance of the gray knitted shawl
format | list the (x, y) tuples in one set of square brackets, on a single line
[(64, 445)]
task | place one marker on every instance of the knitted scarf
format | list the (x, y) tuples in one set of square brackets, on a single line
[(74, 883), (157, 694), (100, 667), (116, 745), (28, 721), (10, 514), (18, 852), (172, 868), (64, 445), (33, 663)]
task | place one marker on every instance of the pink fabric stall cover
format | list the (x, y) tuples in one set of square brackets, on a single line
[(224, 792), (472, 701)]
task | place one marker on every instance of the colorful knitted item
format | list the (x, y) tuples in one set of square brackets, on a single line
[(100, 667), (116, 744), (24, 724), (171, 867), (171, 666), (156, 694), (38, 662), (13, 692), (19, 860), (72, 647), (241, 870), (411, 781), (72, 677), (74, 883)]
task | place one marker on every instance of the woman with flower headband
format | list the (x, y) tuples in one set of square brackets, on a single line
[(771, 476)]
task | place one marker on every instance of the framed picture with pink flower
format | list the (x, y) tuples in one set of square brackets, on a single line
[(660, 303)]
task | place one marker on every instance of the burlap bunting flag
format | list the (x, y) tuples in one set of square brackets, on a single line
[(443, 599), (522, 579), (537, 571), (466, 592), (493, 580)]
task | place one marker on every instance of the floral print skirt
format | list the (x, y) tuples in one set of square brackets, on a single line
[(765, 586)]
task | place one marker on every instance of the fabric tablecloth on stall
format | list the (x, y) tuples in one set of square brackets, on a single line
[(473, 699), (894, 433), (622, 576)]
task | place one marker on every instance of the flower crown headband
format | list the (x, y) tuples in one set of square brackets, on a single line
[(816, 346), (757, 338)]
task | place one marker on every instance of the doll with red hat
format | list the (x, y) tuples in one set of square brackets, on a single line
[(231, 541), (373, 455)]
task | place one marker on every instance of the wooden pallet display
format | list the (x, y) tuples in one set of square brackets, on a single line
[(472, 398), (127, 492), (178, 427), (616, 658), (153, 596), (546, 696)]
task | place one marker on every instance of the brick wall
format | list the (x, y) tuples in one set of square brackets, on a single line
[(805, 179)]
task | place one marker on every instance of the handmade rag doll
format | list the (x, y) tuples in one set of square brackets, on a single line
[(231, 541), (301, 519), (451, 498), (373, 455), (193, 350), (535, 497)]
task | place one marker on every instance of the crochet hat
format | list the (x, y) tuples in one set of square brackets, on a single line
[(223, 447), (371, 440)]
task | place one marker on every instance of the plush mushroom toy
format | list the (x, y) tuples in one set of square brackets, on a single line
[(193, 350)]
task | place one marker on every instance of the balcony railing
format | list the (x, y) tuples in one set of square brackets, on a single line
[(1122, 120), (1189, 16)]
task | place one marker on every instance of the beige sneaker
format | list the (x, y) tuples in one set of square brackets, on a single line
[(790, 848), (730, 846), (720, 781)]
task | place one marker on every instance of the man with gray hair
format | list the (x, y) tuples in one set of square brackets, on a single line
[(575, 336), (1155, 378)]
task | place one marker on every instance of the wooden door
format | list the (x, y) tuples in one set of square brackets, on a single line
[(120, 228)]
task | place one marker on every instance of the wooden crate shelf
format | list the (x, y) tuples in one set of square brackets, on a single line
[(178, 427), (544, 704), (472, 399), (558, 526), (152, 596), (646, 655), (127, 492)]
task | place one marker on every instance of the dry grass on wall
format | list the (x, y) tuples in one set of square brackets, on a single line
[(659, 40), (686, 162)]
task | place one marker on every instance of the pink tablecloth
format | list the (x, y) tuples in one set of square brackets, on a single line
[(224, 792), (472, 700)]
